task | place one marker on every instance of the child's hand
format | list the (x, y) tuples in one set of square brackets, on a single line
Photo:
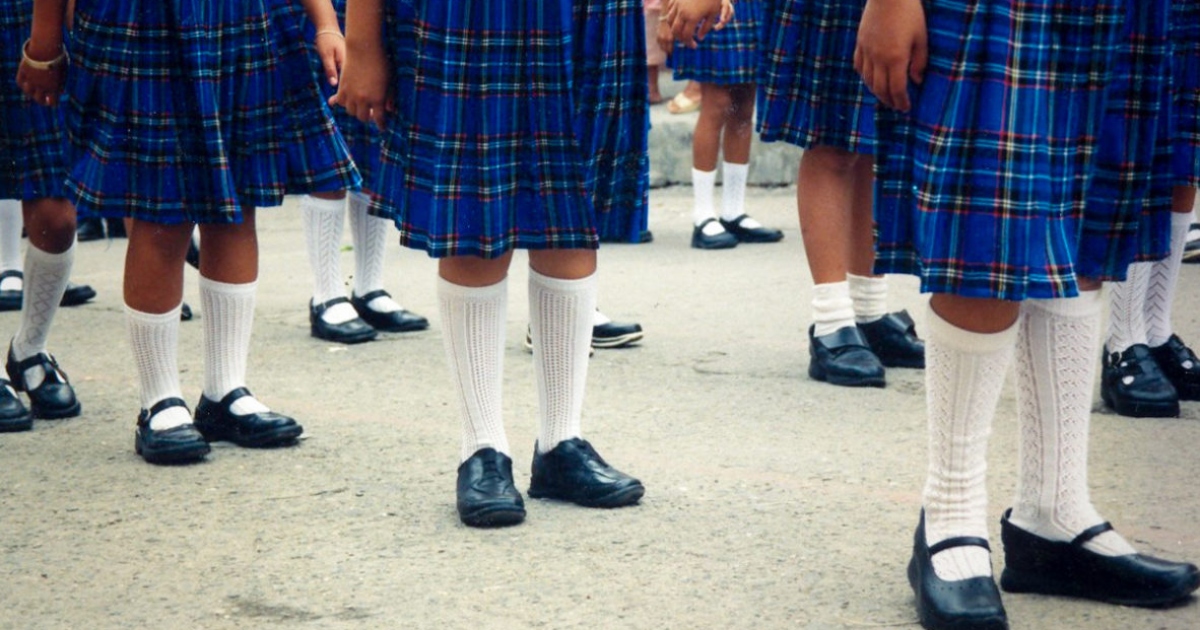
[(43, 73), (691, 20), (893, 47), (666, 39), (363, 91), (331, 48)]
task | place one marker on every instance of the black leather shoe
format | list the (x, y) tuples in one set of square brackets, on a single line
[(720, 240), (10, 299), (894, 340), (116, 228), (751, 235), (844, 357), (176, 445), (394, 321), (1036, 565), (486, 494), (573, 471), (352, 331), (1180, 365), (1132, 384), (54, 397), (193, 253), (970, 604), (76, 294), (217, 422), (616, 335), (185, 312), (89, 229), (13, 414)]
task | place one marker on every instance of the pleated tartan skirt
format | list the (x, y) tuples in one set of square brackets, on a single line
[(725, 57), (1185, 38)]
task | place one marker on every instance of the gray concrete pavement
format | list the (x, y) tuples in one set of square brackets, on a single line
[(773, 501)]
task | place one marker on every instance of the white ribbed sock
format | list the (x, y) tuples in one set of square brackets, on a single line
[(1056, 373), (832, 308), (964, 373), (733, 190), (560, 320), (11, 222), (870, 297), (324, 220), (704, 184), (1163, 277), (473, 327), (1127, 316), (370, 243), (228, 322), (154, 339), (46, 278)]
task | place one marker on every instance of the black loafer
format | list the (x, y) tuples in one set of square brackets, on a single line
[(392, 321), (1036, 565), (616, 335), (352, 331), (216, 421), (751, 235), (970, 604), (720, 240), (176, 445), (91, 229), (573, 471), (10, 299), (486, 494), (1180, 365), (76, 294), (54, 397), (13, 414), (844, 357), (185, 312), (1132, 384), (893, 338)]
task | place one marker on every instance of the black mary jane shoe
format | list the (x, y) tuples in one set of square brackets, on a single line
[(216, 421), (1132, 384), (353, 331), (10, 299), (1180, 365), (616, 335), (970, 604), (177, 445), (90, 229), (486, 494), (893, 338), (751, 235), (720, 240), (54, 397), (1033, 564), (844, 357), (573, 471), (76, 294), (391, 321), (13, 414)]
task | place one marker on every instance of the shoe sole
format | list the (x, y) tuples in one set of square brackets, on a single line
[(1017, 581), (621, 497), (172, 456), (348, 340), (13, 425), (697, 245), (56, 414), (1140, 410), (493, 516), (818, 374), (284, 436), (619, 341)]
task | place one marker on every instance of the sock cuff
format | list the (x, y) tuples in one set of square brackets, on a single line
[(480, 294), (965, 341), (41, 255), (153, 318), (561, 285), (226, 288), (730, 168), (1181, 220), (1087, 304), (700, 176), (319, 204), (867, 285), (829, 292)]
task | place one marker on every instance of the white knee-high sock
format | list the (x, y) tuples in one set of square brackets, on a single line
[(704, 184), (1163, 277), (964, 373), (1127, 315), (324, 220), (870, 297), (11, 222), (154, 338), (46, 278), (832, 308), (473, 327), (1056, 373), (370, 242), (228, 322), (560, 320), (733, 190)]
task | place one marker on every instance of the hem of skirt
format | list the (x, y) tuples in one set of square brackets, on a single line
[(977, 287), (808, 140), (443, 249), (724, 79)]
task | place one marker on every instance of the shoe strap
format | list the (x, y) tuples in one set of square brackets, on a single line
[(48, 364), (237, 393), (159, 407), (959, 541), (326, 305), (11, 273), (1091, 533), (903, 318), (735, 222), (706, 222), (844, 337), (371, 295)]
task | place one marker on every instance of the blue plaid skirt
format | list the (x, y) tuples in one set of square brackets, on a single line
[(481, 155), (808, 92), (612, 101), (32, 164), (981, 189), (188, 110), (725, 57), (1185, 36)]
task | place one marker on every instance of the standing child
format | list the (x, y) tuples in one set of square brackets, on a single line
[(993, 188), (231, 121), (480, 157)]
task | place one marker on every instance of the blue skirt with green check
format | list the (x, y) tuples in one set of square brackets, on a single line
[(1185, 37), (725, 57)]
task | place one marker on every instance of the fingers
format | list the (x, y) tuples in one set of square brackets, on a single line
[(705, 27), (331, 68), (897, 85), (684, 32), (920, 60)]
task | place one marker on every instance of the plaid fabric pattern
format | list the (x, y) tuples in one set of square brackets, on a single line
[(186, 110), (612, 100), (481, 155), (725, 57), (32, 164), (808, 92), (981, 189), (1185, 37)]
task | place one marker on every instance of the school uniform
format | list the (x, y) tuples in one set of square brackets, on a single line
[(729, 56), (1185, 39)]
